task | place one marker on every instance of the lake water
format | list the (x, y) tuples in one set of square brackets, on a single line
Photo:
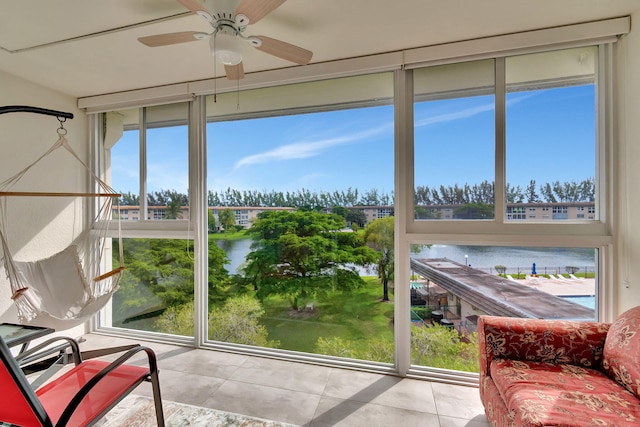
[(236, 251), (516, 259)]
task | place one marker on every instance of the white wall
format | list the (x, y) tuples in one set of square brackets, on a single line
[(628, 156), (23, 138)]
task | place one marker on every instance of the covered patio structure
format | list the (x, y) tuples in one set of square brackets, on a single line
[(480, 293)]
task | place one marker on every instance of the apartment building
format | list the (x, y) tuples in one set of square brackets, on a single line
[(246, 215)]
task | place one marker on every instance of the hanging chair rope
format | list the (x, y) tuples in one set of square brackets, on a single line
[(58, 286)]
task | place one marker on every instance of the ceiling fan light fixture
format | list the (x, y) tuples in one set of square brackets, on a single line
[(227, 48)]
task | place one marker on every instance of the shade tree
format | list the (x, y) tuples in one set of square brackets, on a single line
[(301, 255)]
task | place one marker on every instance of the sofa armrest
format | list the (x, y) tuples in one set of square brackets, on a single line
[(550, 341)]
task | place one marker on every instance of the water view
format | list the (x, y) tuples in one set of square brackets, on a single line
[(516, 259)]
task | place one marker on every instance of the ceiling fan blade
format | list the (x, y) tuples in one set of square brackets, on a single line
[(234, 72), (284, 50), (168, 39), (193, 5), (255, 10)]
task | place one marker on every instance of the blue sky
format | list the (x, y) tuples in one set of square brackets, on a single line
[(550, 136)]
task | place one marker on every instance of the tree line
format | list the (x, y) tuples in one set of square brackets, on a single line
[(479, 194), (483, 193)]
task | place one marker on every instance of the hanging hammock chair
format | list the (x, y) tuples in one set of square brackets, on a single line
[(67, 285)]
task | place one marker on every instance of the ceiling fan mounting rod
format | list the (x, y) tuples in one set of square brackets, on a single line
[(227, 24)]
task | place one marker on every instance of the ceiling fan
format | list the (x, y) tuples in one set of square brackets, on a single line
[(228, 21)]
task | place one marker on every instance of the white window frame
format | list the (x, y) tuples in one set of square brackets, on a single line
[(500, 231), (408, 231)]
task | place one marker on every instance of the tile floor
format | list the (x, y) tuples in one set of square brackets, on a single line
[(303, 394)]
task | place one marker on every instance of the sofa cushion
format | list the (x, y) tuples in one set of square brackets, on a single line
[(621, 354), (497, 412), (541, 394)]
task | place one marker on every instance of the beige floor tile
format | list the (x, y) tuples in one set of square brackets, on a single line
[(286, 375), (205, 362), (457, 401), (385, 390), (184, 387), (478, 421), (349, 413), (264, 402)]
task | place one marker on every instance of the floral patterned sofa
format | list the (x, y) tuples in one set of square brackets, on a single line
[(560, 373)]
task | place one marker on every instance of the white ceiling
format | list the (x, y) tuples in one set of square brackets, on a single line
[(90, 47)]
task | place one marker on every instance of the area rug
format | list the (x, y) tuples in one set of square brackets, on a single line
[(139, 411)]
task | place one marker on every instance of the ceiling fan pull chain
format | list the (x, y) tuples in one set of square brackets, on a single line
[(238, 94)]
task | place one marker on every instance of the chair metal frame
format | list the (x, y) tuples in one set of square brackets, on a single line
[(24, 390)]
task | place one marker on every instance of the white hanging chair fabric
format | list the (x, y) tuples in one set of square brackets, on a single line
[(67, 285)]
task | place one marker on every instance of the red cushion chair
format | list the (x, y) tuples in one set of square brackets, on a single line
[(560, 373), (80, 396)]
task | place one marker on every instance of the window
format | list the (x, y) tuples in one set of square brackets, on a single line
[(551, 128), (454, 141), (540, 156), (560, 212), (148, 160), (385, 212), (304, 179), (320, 156), (158, 278), (456, 284), (516, 212), (159, 155)]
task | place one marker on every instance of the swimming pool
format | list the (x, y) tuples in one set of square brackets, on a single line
[(586, 300)]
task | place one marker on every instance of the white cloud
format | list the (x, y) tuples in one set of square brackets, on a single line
[(456, 115), (305, 149), (465, 113)]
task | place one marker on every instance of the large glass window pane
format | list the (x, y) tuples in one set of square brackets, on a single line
[(289, 204), (147, 162), (454, 138), (551, 136), (156, 289), (452, 285), (122, 151), (165, 156)]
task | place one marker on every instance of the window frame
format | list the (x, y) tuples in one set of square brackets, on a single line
[(499, 231), (594, 234)]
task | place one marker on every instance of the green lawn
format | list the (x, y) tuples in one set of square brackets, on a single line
[(235, 235), (355, 317)]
